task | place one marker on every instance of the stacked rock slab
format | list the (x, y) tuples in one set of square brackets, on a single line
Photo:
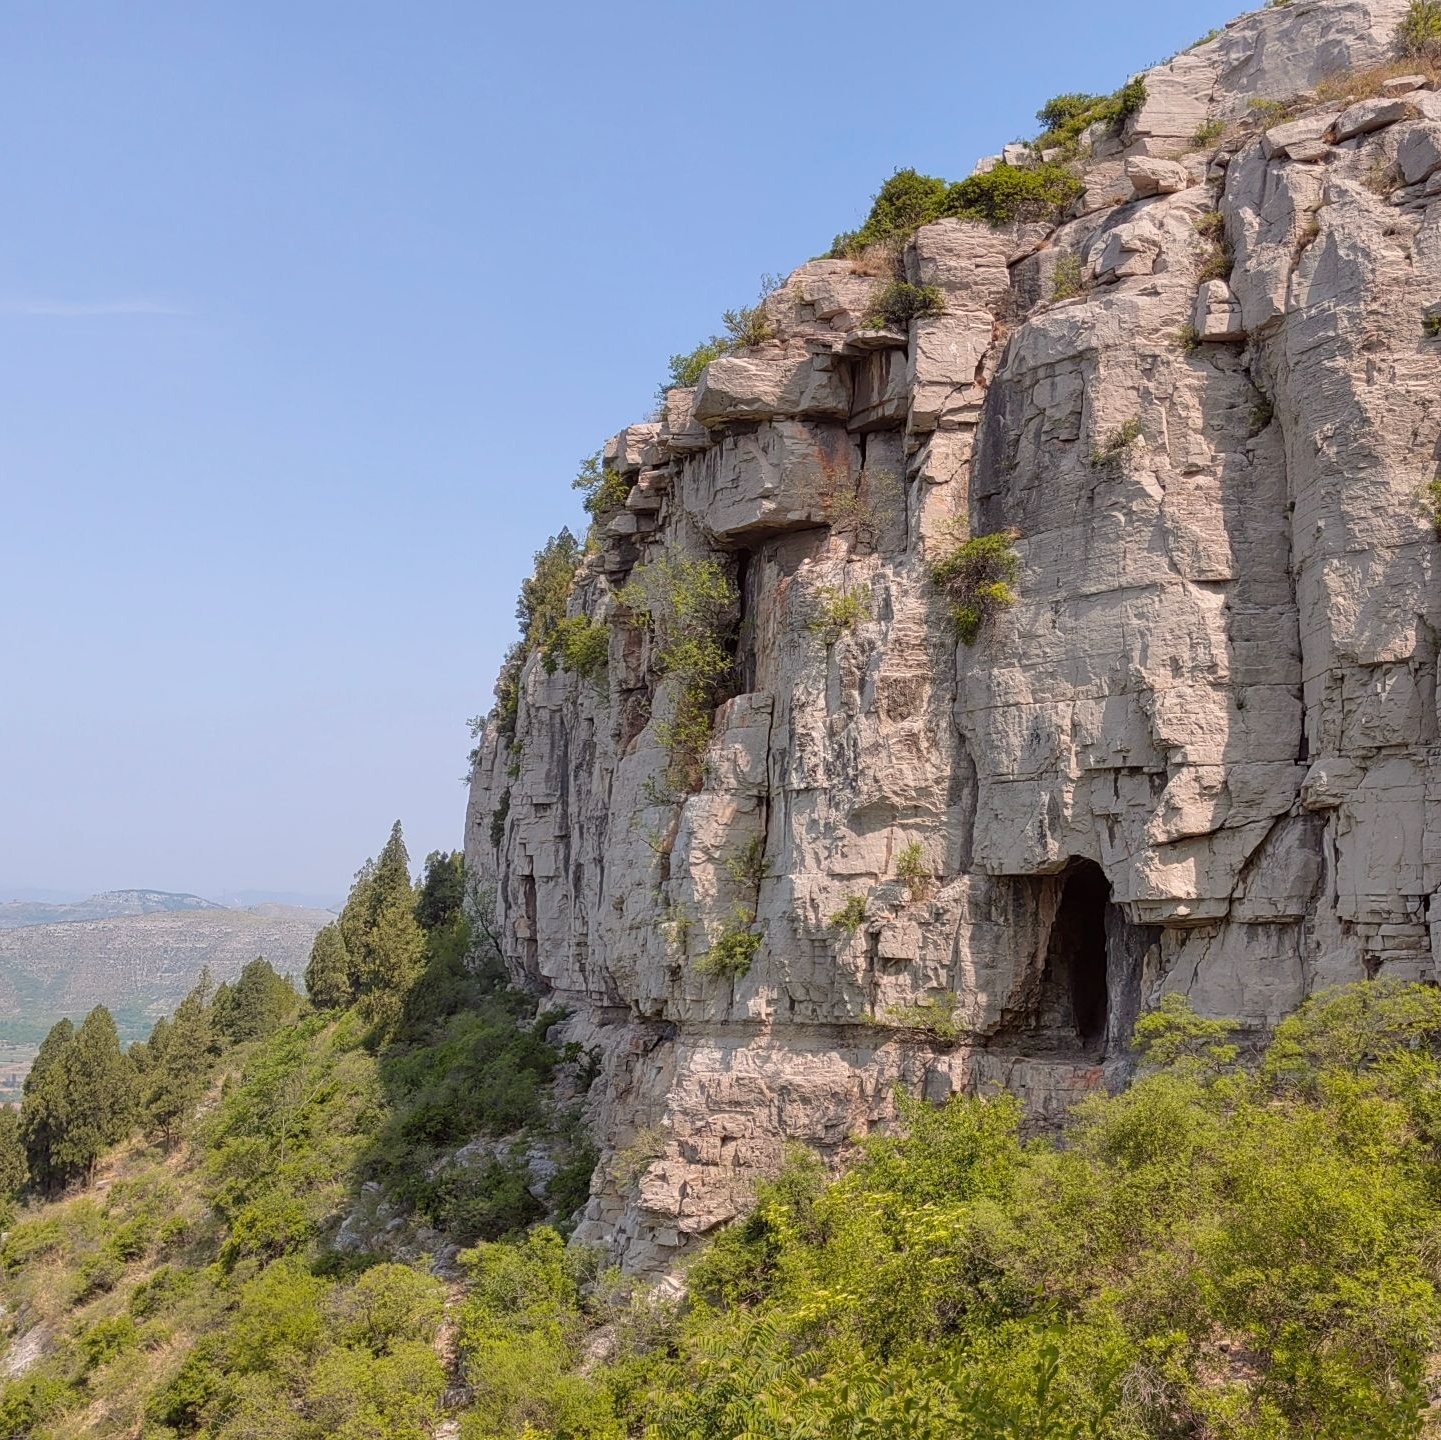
[(1198, 755)]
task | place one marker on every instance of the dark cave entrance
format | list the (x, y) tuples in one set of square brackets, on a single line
[(1076, 955)]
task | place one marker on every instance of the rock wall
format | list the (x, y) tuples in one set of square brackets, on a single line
[(1197, 755)]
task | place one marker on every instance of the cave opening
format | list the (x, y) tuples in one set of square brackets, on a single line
[(1076, 956)]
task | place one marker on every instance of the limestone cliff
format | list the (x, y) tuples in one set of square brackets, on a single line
[(1198, 754)]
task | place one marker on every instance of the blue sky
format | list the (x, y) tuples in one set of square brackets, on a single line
[(307, 313)]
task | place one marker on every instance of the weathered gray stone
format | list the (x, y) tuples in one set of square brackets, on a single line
[(1419, 152), (1217, 315), (1370, 115), (1302, 139), (739, 387), (1149, 176)]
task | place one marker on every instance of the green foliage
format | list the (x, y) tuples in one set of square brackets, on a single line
[(903, 204), (1208, 132), (1067, 117), (1014, 192), (747, 326), (1419, 33), (1431, 324), (840, 610), (685, 370), (605, 489), (14, 1171), (1216, 263), (936, 1018), (900, 302), (441, 896), (498, 817), (851, 916), (911, 868), (1117, 443), (977, 576), (748, 867), (327, 976), (1221, 1252), (1433, 502), (258, 1004), (1188, 338), (733, 950), (1069, 278), (578, 644), (692, 608)]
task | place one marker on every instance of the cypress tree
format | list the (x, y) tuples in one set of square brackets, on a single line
[(99, 1086), (180, 1064), (14, 1171), (43, 1107), (327, 976), (260, 1003)]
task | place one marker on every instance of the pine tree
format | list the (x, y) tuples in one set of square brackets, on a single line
[(181, 1055), (327, 976), (99, 1086), (14, 1171)]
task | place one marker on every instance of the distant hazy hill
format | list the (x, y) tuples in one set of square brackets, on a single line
[(139, 957), (109, 906)]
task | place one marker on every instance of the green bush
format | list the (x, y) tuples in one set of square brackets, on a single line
[(900, 302), (911, 868), (579, 645), (851, 916), (1433, 502), (936, 1017), (1015, 192), (1067, 116), (899, 208), (733, 951), (746, 326), (978, 577), (1419, 33), (685, 370), (605, 489), (839, 611)]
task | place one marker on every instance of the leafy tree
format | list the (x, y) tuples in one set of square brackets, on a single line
[(327, 976)]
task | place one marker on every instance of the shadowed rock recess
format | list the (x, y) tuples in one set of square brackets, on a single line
[(1197, 754)]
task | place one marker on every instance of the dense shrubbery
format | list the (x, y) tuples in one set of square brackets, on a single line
[(900, 302), (1419, 34), (1219, 1252), (745, 327)]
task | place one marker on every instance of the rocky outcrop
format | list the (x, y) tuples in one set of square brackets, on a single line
[(1197, 755)]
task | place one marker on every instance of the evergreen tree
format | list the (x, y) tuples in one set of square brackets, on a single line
[(327, 976), (260, 1003), (181, 1051), (13, 1169), (442, 891), (99, 1088), (43, 1106)]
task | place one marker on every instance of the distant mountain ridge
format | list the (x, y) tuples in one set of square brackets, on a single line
[(106, 906)]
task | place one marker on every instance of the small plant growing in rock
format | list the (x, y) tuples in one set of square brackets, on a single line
[(935, 1017), (733, 951), (911, 868), (631, 1161), (1431, 324), (978, 577), (747, 326), (749, 867), (1069, 278), (1216, 263), (605, 489), (1211, 226), (1419, 34), (497, 820), (1117, 443), (1433, 500), (900, 302), (840, 610), (691, 604), (1188, 338), (1207, 134), (851, 916), (1262, 413)]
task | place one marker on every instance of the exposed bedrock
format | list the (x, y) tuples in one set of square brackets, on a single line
[(1197, 754)]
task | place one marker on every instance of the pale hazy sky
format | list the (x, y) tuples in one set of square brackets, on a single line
[(307, 313)]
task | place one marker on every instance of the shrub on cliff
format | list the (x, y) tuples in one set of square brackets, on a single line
[(1419, 34), (977, 576)]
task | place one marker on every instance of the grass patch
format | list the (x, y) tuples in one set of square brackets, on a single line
[(1069, 279), (900, 303), (1116, 444), (839, 610), (851, 916)]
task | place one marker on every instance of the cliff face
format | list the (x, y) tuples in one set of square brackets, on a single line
[(1197, 755)]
